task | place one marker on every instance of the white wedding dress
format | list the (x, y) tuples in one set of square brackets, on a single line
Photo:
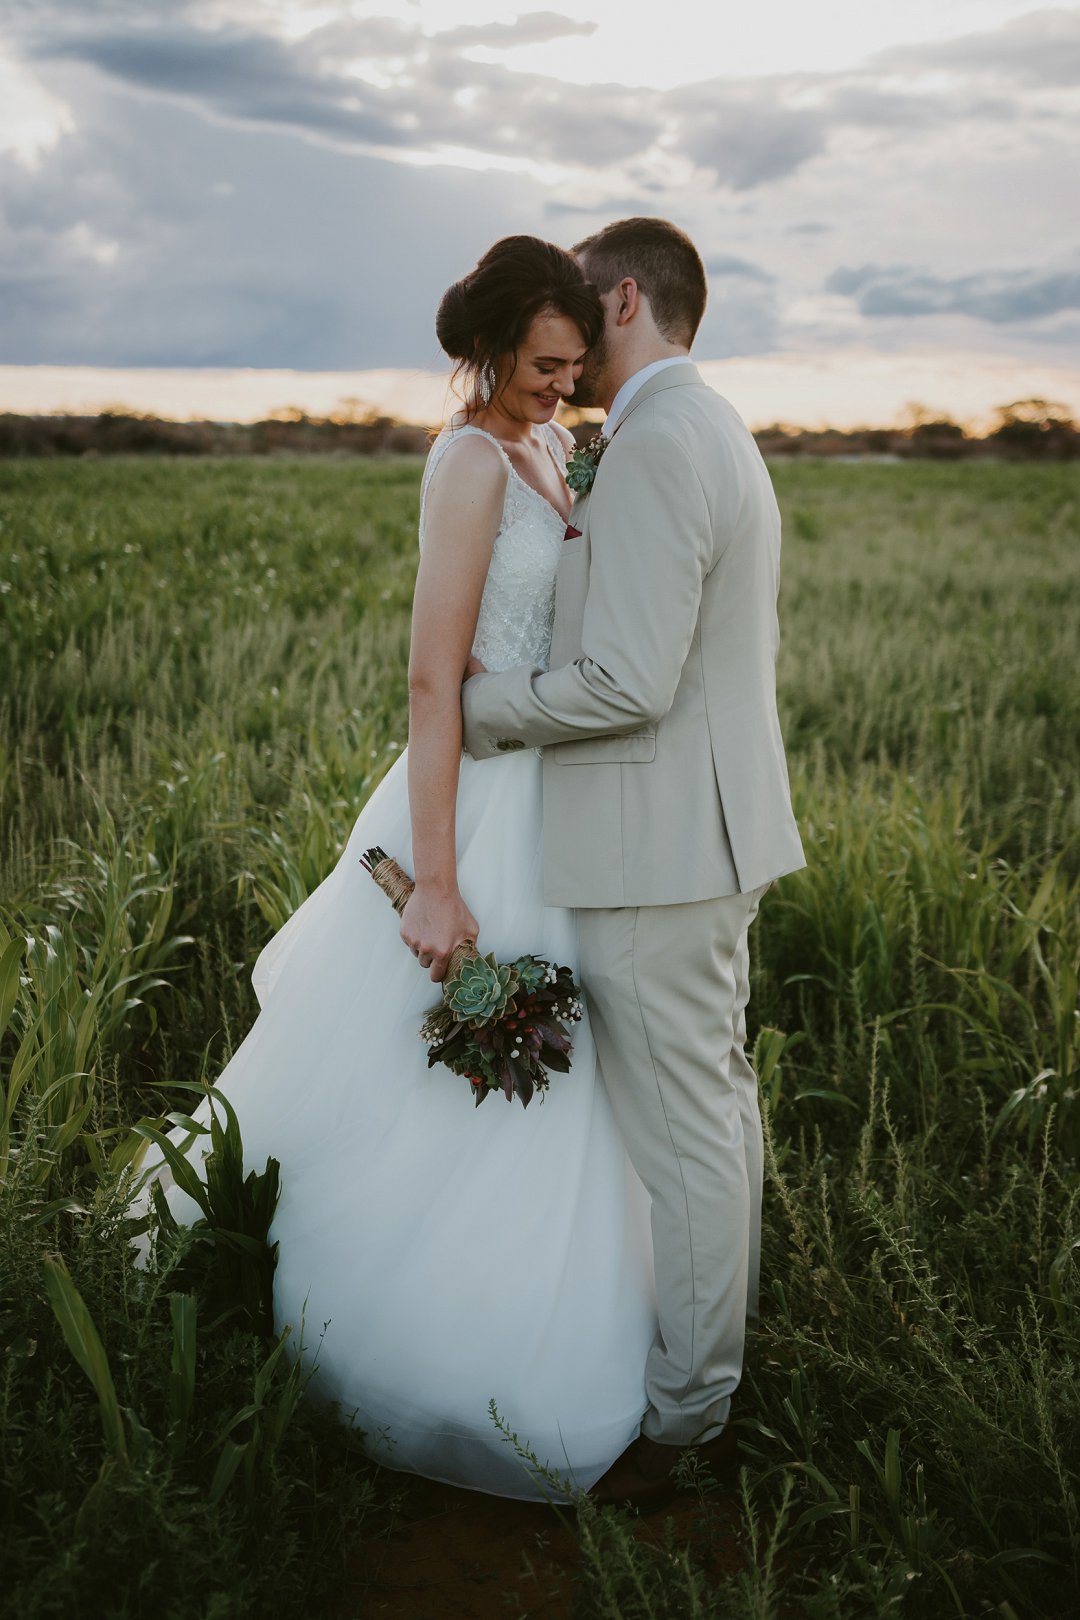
[(456, 1255)]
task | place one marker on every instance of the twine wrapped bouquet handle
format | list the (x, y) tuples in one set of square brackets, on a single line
[(397, 886)]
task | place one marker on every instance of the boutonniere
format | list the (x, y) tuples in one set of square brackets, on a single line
[(581, 468)]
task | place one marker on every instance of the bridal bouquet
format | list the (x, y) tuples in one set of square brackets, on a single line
[(501, 1026)]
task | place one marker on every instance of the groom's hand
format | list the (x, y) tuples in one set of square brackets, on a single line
[(434, 921)]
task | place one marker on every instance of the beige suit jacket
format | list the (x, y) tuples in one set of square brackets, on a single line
[(664, 772)]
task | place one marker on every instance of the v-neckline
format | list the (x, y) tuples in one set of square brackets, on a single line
[(538, 493), (520, 476)]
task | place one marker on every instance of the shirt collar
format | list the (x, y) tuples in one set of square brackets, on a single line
[(632, 384)]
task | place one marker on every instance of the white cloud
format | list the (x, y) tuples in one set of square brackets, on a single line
[(86, 243), (32, 119), (381, 84), (259, 182)]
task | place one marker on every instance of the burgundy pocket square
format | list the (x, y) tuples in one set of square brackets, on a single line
[(571, 533)]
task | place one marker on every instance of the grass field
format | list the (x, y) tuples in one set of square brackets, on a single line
[(202, 675)]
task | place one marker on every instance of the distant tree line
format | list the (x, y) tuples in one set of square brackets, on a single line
[(1028, 429), (119, 431)]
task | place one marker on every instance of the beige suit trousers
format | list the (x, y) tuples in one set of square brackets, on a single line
[(667, 988)]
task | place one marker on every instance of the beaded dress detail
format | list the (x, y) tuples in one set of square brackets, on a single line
[(518, 606), (442, 1256)]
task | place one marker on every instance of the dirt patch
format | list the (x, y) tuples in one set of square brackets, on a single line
[(461, 1555)]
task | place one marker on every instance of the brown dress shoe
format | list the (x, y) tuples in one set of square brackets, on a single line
[(644, 1476)]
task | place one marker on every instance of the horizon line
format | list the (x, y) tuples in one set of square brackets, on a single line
[(843, 390)]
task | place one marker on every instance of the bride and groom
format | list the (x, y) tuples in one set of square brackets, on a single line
[(586, 1268)]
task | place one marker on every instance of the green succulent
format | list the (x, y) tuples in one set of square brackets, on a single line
[(582, 465), (530, 971), (481, 991)]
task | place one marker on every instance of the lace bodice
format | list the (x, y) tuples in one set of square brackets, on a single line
[(518, 605)]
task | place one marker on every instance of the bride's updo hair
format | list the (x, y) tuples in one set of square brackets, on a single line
[(487, 314)]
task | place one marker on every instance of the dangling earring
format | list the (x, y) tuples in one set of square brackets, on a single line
[(487, 382)]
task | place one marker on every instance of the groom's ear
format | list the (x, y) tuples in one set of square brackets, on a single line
[(627, 300)]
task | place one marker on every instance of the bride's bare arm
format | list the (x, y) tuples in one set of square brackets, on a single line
[(462, 514)]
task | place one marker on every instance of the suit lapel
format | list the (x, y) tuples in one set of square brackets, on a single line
[(572, 576)]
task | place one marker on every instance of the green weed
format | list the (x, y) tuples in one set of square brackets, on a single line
[(202, 677)]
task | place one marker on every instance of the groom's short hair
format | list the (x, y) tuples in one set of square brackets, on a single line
[(662, 260)]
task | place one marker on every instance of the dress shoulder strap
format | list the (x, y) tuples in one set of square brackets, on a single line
[(555, 445), (446, 438)]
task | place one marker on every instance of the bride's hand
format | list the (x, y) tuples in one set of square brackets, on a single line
[(473, 667), (433, 923)]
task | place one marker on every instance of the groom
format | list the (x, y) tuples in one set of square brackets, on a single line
[(666, 809)]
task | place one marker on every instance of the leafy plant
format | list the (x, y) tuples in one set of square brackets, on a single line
[(202, 677)]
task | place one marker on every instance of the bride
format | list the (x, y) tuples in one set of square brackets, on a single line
[(444, 1257)]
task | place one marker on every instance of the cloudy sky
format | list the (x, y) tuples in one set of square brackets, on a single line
[(885, 197)]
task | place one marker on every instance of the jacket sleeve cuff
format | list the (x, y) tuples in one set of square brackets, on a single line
[(489, 726)]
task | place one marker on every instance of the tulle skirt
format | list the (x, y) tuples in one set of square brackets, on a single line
[(442, 1258)]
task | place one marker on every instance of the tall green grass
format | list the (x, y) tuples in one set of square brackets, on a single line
[(202, 671)]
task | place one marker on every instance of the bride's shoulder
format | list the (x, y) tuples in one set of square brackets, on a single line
[(465, 462)]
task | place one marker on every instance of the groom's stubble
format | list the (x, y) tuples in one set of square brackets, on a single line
[(592, 387)]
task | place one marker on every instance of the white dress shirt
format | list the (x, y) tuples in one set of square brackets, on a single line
[(632, 384)]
